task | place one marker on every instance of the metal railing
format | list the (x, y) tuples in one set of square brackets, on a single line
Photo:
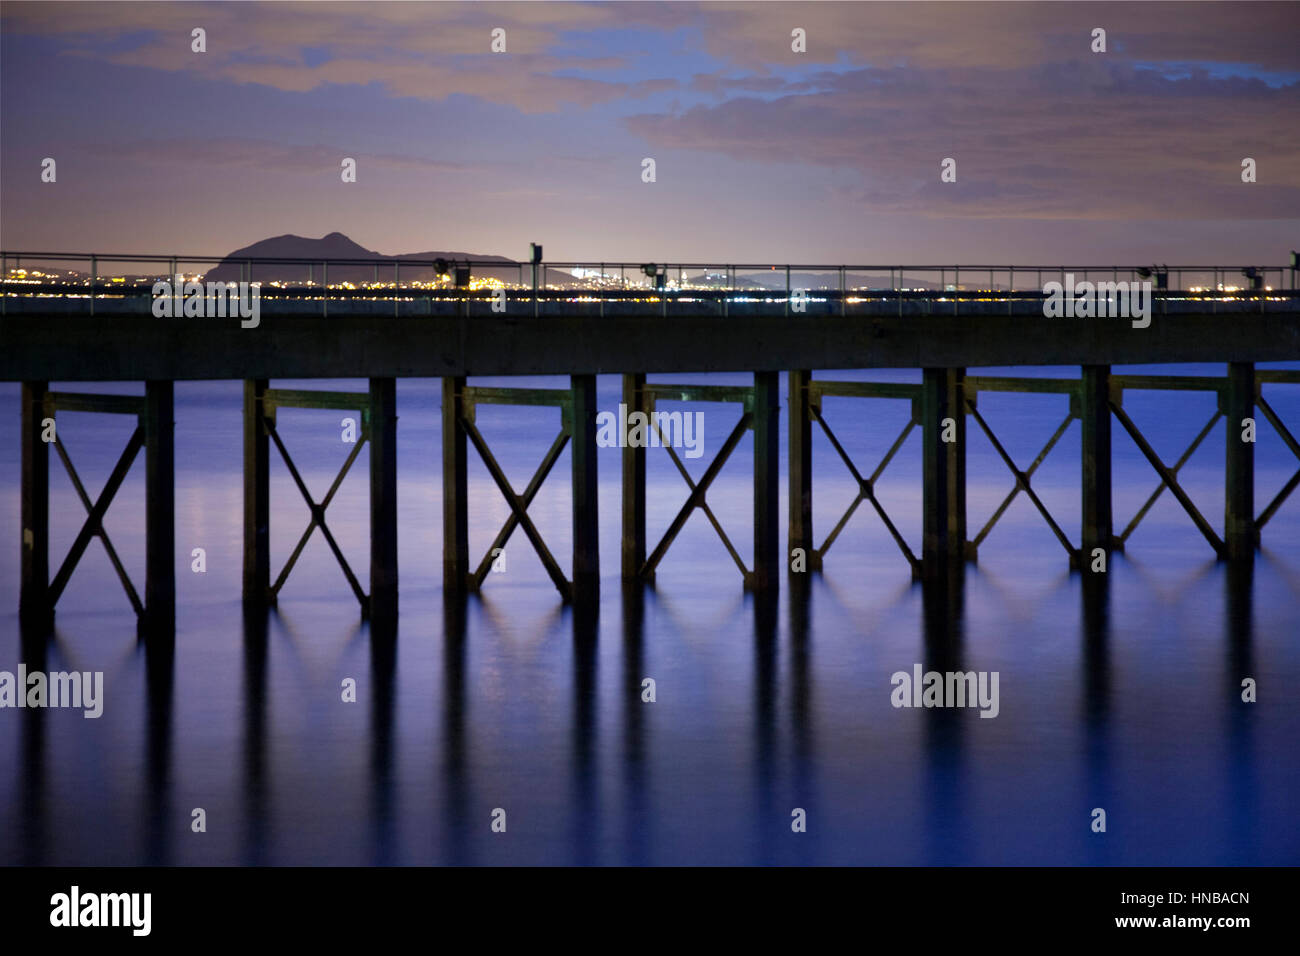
[(938, 287)]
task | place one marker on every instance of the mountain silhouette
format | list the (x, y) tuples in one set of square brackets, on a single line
[(338, 246)]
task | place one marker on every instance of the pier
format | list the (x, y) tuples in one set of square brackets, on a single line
[(635, 320)]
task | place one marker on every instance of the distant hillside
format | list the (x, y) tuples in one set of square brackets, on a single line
[(338, 246)]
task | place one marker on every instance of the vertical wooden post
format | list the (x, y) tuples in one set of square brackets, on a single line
[(159, 619), (1240, 535), (800, 441), (34, 610), (956, 387), (586, 526), (1094, 414), (634, 462), (383, 502), (943, 540), (257, 497), (455, 489), (767, 486)]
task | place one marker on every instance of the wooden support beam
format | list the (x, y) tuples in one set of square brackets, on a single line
[(1094, 413), (586, 525), (383, 502), (943, 470), (800, 441), (159, 619), (455, 489), (765, 575), (35, 611), (257, 496), (634, 463), (1238, 398)]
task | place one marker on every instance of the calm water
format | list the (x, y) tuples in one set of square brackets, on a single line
[(1126, 699)]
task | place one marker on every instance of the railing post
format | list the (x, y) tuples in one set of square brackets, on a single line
[(767, 491), (800, 532), (159, 618), (586, 525), (634, 462), (34, 610), (1240, 535), (257, 497), (383, 503), (455, 489), (1094, 414)]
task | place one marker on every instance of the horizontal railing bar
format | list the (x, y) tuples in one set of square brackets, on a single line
[(388, 291), (1048, 270)]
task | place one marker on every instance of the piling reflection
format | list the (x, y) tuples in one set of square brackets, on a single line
[(383, 671), (33, 797), (1242, 772), (455, 846), (1094, 595), (254, 738), (943, 613), (637, 824), (803, 753), (768, 815), (160, 665), (584, 802)]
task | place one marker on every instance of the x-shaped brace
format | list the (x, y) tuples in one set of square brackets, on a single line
[(866, 487), (519, 506), (94, 525), (1170, 479), (318, 511), (1291, 443), (1022, 480), (696, 499), (1155, 495)]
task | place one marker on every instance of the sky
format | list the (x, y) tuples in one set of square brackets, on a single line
[(761, 154)]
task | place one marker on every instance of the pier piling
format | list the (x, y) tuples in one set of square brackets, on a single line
[(634, 462), (943, 470), (34, 608), (1238, 397), (159, 618), (455, 489), (586, 524), (383, 502), (1094, 414), (800, 424), (767, 476), (257, 497)]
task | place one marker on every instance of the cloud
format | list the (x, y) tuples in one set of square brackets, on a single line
[(263, 154), (1083, 139)]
